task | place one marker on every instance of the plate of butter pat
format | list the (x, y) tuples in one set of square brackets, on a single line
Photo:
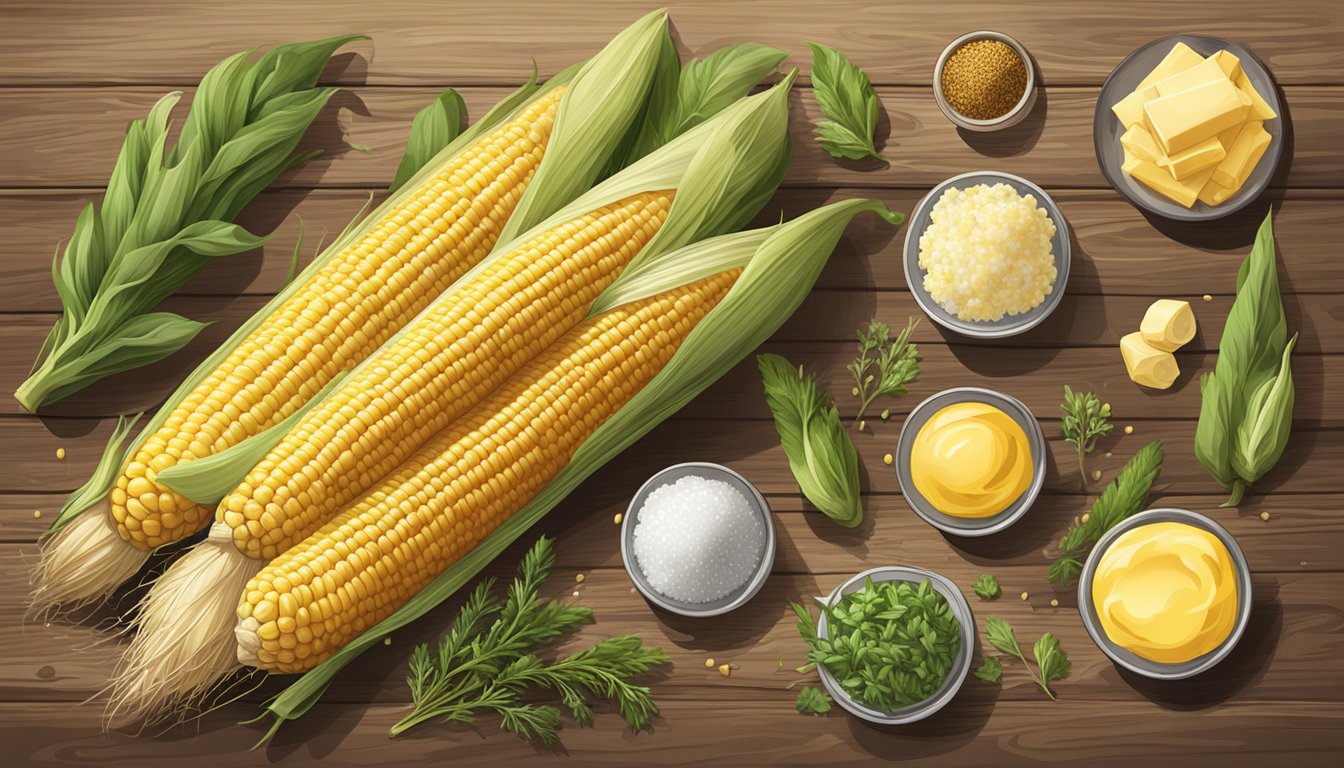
[(1189, 127)]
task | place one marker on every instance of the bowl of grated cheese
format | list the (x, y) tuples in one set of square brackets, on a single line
[(987, 254)]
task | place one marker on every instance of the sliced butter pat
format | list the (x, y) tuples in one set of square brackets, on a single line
[(1180, 57), (1242, 157), (1168, 325), (1147, 365), (1185, 118), (1214, 193), (1139, 143), (1259, 107), (1129, 110), (1205, 71), (1184, 191), (1187, 163), (1230, 63)]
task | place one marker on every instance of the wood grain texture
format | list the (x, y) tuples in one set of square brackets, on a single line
[(72, 74), (53, 139)]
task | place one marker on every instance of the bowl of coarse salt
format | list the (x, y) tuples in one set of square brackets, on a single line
[(698, 540)]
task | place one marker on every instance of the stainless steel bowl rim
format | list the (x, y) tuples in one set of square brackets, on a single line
[(956, 677), (1131, 661), (1006, 120), (719, 607), (979, 526)]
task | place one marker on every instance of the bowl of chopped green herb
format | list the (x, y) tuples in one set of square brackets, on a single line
[(892, 645)]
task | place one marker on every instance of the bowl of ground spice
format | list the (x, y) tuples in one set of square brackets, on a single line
[(985, 81)]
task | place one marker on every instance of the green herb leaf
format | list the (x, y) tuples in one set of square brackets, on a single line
[(820, 452), (991, 671), (987, 587), (1001, 636), (1085, 420), (1053, 662), (847, 99), (434, 127), (813, 701), (884, 366), (1124, 497)]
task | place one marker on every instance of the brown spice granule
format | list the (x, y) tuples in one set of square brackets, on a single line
[(984, 79)]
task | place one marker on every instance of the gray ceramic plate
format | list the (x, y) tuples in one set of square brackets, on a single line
[(737, 597), (960, 666), (1106, 129), (1012, 324), (965, 526), (1133, 661)]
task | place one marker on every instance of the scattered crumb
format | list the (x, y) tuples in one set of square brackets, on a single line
[(60, 454), (886, 414), (1264, 515), (1304, 562), (1129, 429), (888, 458), (1025, 595), (725, 670), (1108, 454), (854, 391), (1096, 474), (709, 663), (1054, 603), (617, 519), (387, 641), (633, 590), (1207, 297), (37, 514), (576, 593), (1085, 516), (578, 577), (48, 624), (862, 424)]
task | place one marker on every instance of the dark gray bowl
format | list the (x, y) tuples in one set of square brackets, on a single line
[(1012, 324), (1106, 129), (960, 666), (963, 526), (1132, 661), (737, 597)]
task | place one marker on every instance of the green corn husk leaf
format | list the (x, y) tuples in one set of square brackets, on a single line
[(1263, 432), (661, 99), (606, 94), (778, 274), (104, 474), (433, 128), (237, 137)]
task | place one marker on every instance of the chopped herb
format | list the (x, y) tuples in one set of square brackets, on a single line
[(991, 671), (1053, 662), (813, 701), (987, 587), (1085, 419), (884, 366)]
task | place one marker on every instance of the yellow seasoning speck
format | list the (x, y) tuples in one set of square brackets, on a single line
[(387, 641), (709, 663), (854, 391), (888, 458), (60, 454), (1054, 603), (1108, 454), (1025, 595), (578, 577), (617, 518), (1207, 297), (725, 670), (37, 513), (1096, 474), (862, 424), (1264, 515), (1129, 429), (886, 414), (576, 593), (1085, 516)]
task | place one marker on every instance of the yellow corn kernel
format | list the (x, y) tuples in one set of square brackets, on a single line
[(345, 311), (467, 479)]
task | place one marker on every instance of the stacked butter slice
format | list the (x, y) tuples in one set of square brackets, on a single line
[(1194, 127), (1167, 326)]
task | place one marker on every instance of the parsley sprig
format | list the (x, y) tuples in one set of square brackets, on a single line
[(1051, 660), (478, 668), (884, 366), (1085, 420)]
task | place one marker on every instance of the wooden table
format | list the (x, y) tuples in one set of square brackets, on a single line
[(72, 74)]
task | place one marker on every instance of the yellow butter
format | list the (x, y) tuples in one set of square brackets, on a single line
[(1138, 142), (1205, 71), (1214, 193), (1181, 56), (1186, 163), (1168, 324), (1147, 365), (1242, 156), (1185, 118), (1129, 110), (1230, 63), (1259, 107), (1184, 191)]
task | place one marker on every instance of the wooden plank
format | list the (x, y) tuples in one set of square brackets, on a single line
[(475, 42), (1117, 252), (69, 137)]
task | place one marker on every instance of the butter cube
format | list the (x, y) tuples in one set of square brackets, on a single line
[(1242, 156), (1230, 63), (1205, 71), (1259, 107), (1184, 191), (1168, 325), (1130, 109), (1139, 143), (1180, 57), (1185, 118), (1147, 365), (1205, 154), (1214, 193)]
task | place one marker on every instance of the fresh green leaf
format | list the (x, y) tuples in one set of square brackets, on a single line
[(433, 128), (1085, 420), (813, 701), (991, 671), (820, 452), (884, 366), (1001, 636), (987, 587), (1052, 661), (847, 100)]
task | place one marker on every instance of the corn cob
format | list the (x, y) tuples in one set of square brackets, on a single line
[(448, 359), (364, 563)]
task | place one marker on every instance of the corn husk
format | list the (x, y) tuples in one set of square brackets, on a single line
[(781, 264)]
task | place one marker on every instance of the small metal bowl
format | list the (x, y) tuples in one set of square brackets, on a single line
[(1006, 326), (960, 666), (1132, 661), (732, 600), (970, 526), (1010, 118)]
